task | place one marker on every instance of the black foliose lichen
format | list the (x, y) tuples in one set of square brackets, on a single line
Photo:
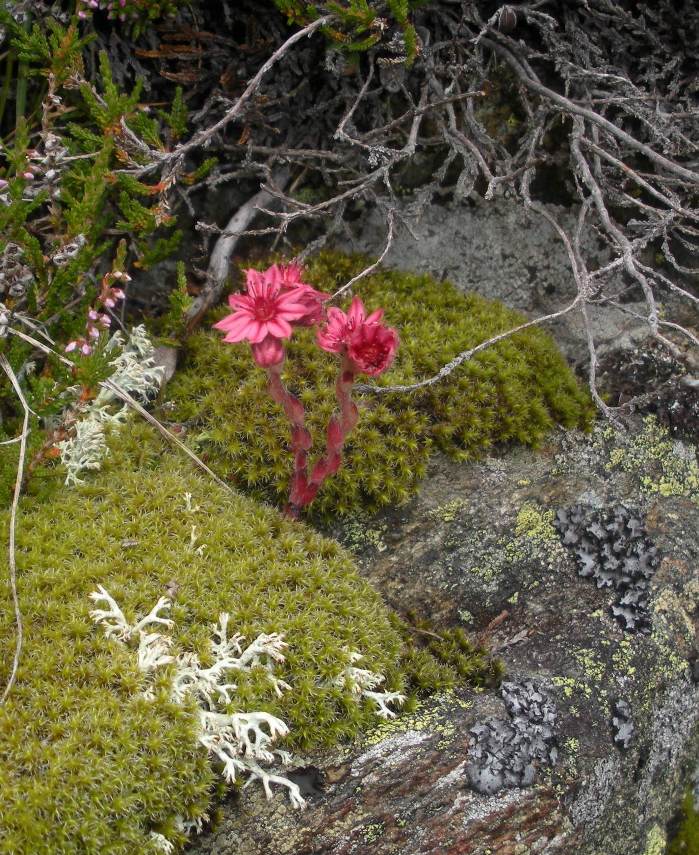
[(622, 724), (660, 383), (612, 547), (507, 753)]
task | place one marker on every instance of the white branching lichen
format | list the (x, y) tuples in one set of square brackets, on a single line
[(136, 373), (362, 684), (134, 367), (241, 742), (114, 622), (244, 743), (85, 450), (162, 843)]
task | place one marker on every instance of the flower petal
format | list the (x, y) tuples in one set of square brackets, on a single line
[(241, 301), (238, 324), (258, 331), (255, 282), (356, 313), (278, 327), (374, 317)]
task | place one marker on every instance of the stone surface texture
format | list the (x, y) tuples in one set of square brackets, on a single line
[(500, 251), (478, 548)]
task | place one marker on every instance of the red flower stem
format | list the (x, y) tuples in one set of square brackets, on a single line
[(301, 440), (304, 489), (349, 414), (339, 427)]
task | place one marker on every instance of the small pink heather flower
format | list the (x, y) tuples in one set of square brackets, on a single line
[(97, 320)]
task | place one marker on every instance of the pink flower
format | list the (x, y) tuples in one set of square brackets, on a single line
[(313, 301), (84, 346), (340, 325), (287, 275), (372, 348), (109, 294), (369, 344), (264, 315), (269, 351), (290, 279)]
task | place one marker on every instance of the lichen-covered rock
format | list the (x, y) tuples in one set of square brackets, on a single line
[(478, 546), (666, 386)]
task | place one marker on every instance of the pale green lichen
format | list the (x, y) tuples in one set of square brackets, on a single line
[(622, 659), (449, 511), (423, 718), (535, 539), (592, 666), (358, 534), (587, 686), (536, 526), (656, 841), (372, 832), (568, 685), (665, 467)]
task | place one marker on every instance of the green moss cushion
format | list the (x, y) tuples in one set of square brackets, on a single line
[(685, 840), (516, 390), (86, 763)]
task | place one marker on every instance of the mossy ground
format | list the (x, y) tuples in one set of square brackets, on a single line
[(513, 391), (87, 764), (685, 839)]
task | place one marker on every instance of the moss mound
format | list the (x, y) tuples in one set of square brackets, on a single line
[(515, 390), (86, 763), (686, 829)]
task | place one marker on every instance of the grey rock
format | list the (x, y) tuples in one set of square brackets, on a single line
[(499, 250)]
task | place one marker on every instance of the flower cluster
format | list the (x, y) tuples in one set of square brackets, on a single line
[(97, 317), (369, 345), (276, 301)]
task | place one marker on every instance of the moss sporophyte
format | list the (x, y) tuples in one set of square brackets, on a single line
[(276, 300)]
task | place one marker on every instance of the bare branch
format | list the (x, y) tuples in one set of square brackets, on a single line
[(219, 263), (12, 561)]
